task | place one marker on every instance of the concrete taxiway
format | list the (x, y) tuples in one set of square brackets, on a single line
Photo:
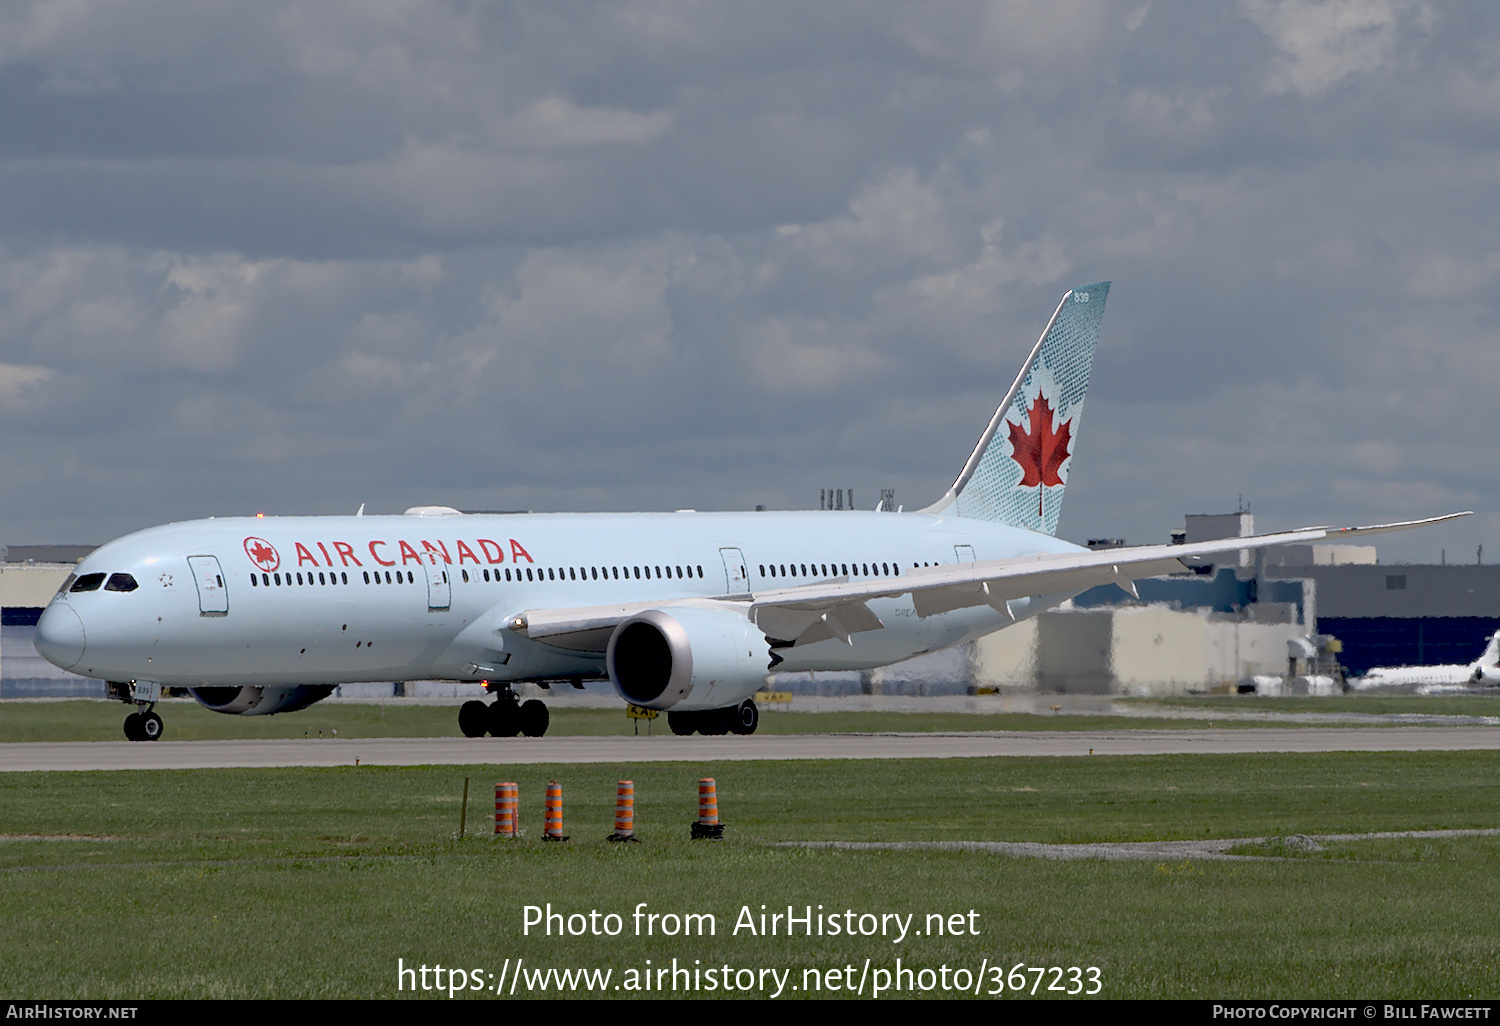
[(454, 751)]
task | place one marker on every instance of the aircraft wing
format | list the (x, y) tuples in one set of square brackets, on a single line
[(838, 608), (587, 628)]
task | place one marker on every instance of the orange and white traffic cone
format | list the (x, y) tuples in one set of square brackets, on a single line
[(624, 812), (552, 824), (505, 809), (708, 826)]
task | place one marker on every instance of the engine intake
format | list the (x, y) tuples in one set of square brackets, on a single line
[(685, 657)]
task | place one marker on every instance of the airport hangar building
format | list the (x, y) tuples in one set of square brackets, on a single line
[(1382, 615), (1404, 615)]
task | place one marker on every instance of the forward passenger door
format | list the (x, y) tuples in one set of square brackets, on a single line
[(213, 597)]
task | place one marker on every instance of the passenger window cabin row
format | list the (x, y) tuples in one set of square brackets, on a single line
[(581, 573), (125, 582), (276, 580), (594, 573), (826, 570)]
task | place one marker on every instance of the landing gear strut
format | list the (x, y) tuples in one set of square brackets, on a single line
[(736, 719), (506, 716), (143, 724)]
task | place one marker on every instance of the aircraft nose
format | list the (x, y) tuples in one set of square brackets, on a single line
[(59, 636)]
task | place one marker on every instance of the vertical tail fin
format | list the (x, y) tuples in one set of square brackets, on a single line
[(1018, 476)]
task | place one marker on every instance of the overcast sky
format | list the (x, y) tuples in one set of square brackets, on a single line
[(292, 257)]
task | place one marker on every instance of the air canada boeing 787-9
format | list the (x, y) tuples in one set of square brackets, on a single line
[(686, 612)]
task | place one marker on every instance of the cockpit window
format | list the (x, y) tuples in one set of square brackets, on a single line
[(88, 582), (68, 583), (121, 582)]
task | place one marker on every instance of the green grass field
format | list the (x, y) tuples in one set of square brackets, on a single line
[(1364, 704), (313, 883), (187, 721)]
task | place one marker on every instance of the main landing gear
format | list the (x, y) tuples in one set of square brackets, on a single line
[(506, 716), (736, 719)]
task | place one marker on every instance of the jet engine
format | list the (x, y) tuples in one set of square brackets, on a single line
[(260, 701), (687, 658)]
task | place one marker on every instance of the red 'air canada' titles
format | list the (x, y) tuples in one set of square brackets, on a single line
[(484, 550)]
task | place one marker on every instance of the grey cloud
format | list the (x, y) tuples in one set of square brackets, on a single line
[(293, 257)]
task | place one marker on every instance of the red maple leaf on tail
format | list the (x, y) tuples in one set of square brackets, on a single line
[(1040, 451)]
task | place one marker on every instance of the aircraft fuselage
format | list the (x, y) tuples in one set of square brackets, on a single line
[(283, 601)]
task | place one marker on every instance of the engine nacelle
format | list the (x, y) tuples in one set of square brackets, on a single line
[(260, 701), (685, 658)]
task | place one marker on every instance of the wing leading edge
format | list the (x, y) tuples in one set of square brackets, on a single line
[(839, 608)]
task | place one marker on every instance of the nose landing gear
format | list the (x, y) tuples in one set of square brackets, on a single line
[(143, 724)]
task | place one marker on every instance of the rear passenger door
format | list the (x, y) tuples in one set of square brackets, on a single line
[(736, 578), (439, 588)]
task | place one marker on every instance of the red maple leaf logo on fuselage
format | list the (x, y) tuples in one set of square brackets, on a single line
[(262, 553), (1040, 451)]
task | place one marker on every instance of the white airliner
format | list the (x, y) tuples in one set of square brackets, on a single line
[(1484, 670), (687, 612)]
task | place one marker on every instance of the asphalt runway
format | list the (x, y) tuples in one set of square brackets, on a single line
[(453, 751)]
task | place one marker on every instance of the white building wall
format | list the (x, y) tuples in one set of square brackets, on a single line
[(31, 585), (1006, 659), (1132, 650), (1157, 650)]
